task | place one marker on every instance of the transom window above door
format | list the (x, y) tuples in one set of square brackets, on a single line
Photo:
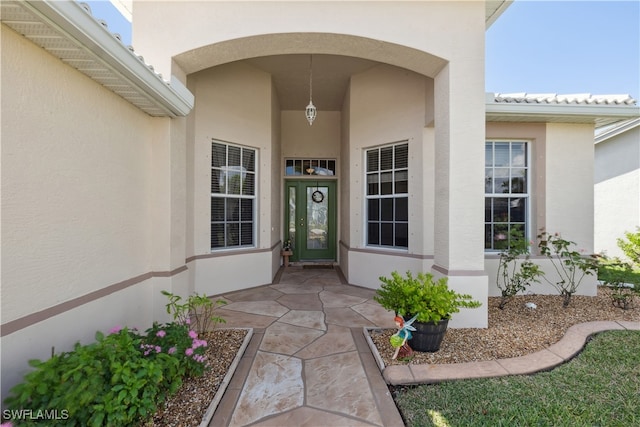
[(300, 167)]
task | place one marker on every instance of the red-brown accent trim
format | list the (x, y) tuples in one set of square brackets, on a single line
[(448, 272), (385, 252), (33, 318), (226, 253)]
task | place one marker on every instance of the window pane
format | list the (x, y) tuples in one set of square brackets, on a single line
[(386, 209), (488, 240), (246, 233), (217, 182), (217, 209), (401, 156), (373, 235), (234, 157), (500, 210), (488, 154), (217, 236), (234, 178), (372, 160), (500, 236), (386, 234), (386, 158), (518, 180), (501, 154), (518, 154), (249, 185), (218, 155), (402, 209), (246, 210), (373, 209), (402, 235), (401, 181), (249, 160), (233, 234), (517, 209), (331, 165), (372, 184), (501, 180), (487, 209), (233, 210), (488, 180), (386, 184)]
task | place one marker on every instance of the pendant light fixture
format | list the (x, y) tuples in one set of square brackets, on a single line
[(310, 112)]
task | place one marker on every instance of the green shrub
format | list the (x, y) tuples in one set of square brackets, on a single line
[(631, 246), (515, 270), (430, 299), (198, 308), (179, 341), (108, 382), (570, 264)]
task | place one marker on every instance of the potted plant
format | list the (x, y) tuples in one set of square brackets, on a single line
[(430, 301)]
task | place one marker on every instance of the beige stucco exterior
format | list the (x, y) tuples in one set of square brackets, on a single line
[(104, 206)]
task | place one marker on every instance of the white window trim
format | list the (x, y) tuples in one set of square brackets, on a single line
[(529, 167), (366, 197), (255, 197)]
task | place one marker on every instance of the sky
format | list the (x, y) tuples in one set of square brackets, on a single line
[(539, 46)]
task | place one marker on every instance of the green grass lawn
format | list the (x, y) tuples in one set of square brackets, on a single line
[(600, 387)]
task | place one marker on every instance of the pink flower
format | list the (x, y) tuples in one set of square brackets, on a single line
[(198, 343), (161, 333), (158, 349), (188, 351), (6, 424), (172, 350), (115, 329), (187, 321), (193, 334)]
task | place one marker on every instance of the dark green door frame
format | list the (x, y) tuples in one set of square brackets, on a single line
[(311, 224)]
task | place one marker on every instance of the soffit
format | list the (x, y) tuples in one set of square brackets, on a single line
[(69, 32)]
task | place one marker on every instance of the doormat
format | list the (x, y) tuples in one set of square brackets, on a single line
[(318, 266)]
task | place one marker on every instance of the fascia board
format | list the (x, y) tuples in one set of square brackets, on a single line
[(497, 12), (561, 110), (70, 18), (617, 130)]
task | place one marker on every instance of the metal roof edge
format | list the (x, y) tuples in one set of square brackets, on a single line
[(561, 110), (617, 129), (72, 19), (504, 5)]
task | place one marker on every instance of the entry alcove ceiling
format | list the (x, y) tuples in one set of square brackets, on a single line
[(331, 74)]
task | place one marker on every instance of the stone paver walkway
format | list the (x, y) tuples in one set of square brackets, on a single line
[(309, 363)]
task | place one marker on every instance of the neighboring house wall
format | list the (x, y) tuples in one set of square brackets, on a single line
[(78, 208), (617, 190)]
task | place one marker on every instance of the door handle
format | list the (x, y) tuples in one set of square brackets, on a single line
[(301, 222)]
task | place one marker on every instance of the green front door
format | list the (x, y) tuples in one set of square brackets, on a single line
[(310, 219)]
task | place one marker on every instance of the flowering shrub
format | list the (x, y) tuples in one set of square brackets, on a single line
[(570, 264), (177, 340), (108, 382)]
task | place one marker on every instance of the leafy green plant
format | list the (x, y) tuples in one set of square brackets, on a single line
[(619, 276), (631, 246), (570, 265), (108, 382), (431, 300), (198, 308), (515, 270)]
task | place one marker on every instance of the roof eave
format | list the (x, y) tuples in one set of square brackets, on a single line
[(69, 18), (597, 114), (494, 9)]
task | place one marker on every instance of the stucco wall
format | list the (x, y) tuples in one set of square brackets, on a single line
[(77, 208), (616, 191)]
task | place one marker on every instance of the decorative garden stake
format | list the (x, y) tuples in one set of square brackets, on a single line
[(400, 338)]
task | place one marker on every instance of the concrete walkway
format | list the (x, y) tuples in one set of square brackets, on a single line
[(309, 363)]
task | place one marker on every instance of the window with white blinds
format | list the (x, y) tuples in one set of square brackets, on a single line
[(233, 196), (387, 198), (506, 208)]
